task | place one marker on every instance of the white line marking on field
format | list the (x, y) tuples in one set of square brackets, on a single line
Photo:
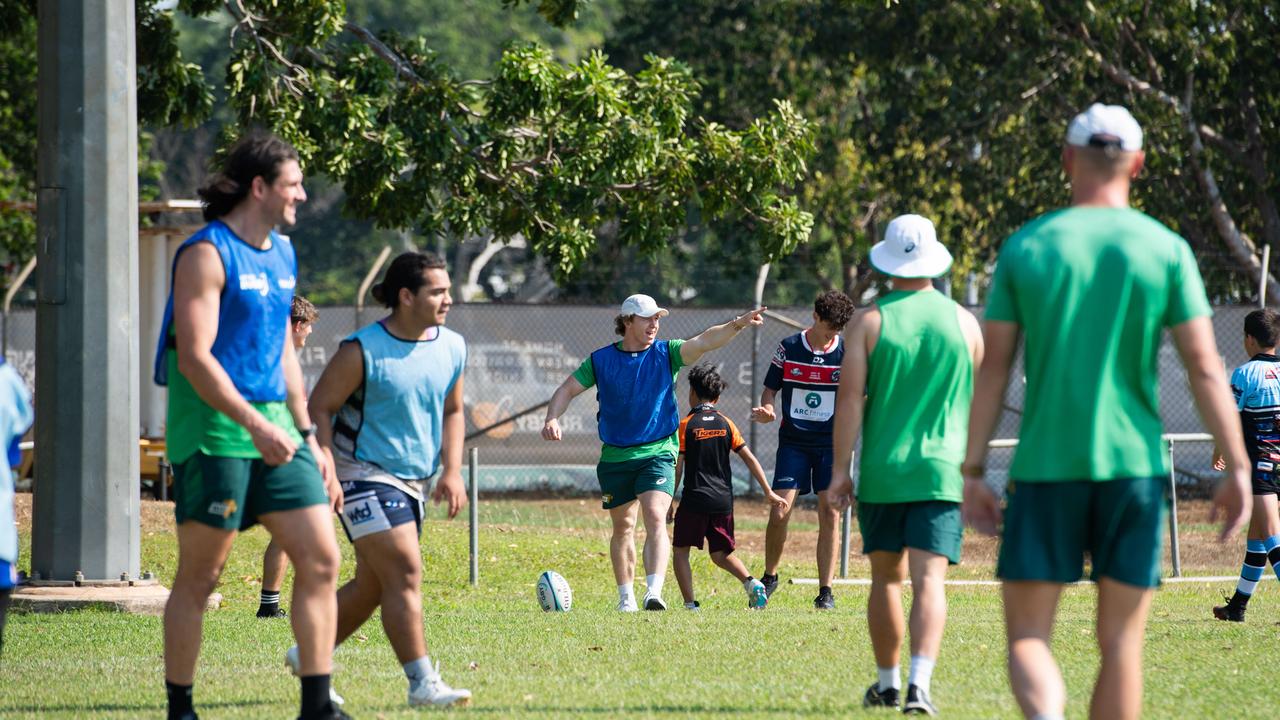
[(867, 581)]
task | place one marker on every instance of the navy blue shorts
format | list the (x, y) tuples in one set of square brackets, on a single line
[(805, 469), (373, 507)]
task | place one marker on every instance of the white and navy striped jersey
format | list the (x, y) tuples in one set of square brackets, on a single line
[(1256, 385), (805, 380)]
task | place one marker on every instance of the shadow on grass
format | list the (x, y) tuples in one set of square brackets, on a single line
[(677, 710), (158, 708)]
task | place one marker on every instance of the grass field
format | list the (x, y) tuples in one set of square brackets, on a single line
[(789, 661)]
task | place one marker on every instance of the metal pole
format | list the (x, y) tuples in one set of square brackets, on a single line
[(368, 282), (474, 517), (846, 523), (1262, 279), (1173, 517), (761, 277), (85, 504)]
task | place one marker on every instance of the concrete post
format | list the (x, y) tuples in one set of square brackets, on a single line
[(153, 252), (86, 486)]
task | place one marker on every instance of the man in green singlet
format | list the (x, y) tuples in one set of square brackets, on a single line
[(906, 382)]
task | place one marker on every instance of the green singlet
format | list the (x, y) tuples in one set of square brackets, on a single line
[(194, 425), (919, 385), (1092, 288)]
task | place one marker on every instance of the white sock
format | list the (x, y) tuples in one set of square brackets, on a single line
[(691, 605), (890, 678), (625, 592), (921, 671), (746, 584), (418, 670), (1046, 716), (655, 584)]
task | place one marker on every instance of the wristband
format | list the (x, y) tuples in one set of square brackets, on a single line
[(973, 472), (308, 433)]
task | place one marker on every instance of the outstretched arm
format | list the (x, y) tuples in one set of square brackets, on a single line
[(718, 336), (568, 390)]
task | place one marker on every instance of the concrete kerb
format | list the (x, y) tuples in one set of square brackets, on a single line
[(139, 597)]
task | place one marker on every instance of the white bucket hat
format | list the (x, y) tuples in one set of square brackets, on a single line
[(641, 306), (910, 249), (1105, 126)]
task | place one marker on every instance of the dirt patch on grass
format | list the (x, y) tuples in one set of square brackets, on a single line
[(1201, 552)]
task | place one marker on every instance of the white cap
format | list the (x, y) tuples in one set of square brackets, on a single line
[(910, 249), (1105, 126), (641, 306)]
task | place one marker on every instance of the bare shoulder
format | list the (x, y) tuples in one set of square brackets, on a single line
[(864, 327), (199, 265), (968, 321)]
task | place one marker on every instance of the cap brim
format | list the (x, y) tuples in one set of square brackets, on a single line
[(929, 265), (660, 312)]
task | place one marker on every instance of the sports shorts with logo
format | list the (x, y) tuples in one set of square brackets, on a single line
[(1049, 527), (692, 526), (232, 493), (932, 525), (805, 469), (371, 507), (622, 482)]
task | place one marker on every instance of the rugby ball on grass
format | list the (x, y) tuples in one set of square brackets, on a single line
[(553, 592)]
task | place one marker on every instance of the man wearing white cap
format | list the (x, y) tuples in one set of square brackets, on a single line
[(1091, 288), (635, 381), (906, 382)]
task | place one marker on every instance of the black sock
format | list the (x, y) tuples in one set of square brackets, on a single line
[(315, 697), (179, 700), (824, 590), (769, 577), (749, 579), (4, 610), (269, 599), (1238, 600)]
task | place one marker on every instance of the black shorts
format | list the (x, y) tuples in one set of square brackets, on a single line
[(373, 507)]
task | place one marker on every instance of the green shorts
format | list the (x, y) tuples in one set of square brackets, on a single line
[(231, 493), (622, 482), (1049, 526), (933, 526)]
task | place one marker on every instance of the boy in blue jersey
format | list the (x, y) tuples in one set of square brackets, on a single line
[(806, 371), (237, 417), (1256, 386), (388, 413), (638, 423), (15, 417)]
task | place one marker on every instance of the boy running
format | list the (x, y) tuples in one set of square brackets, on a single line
[(706, 508), (906, 383), (1256, 385), (806, 371)]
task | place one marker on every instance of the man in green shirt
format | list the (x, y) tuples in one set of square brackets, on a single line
[(638, 424), (1090, 289), (906, 382)]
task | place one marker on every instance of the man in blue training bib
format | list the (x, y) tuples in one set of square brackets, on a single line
[(635, 381), (388, 411), (16, 416)]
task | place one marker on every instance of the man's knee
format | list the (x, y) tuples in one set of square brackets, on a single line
[(197, 583), (317, 564)]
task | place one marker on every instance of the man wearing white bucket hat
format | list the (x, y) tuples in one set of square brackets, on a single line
[(639, 417), (1092, 288), (906, 382)]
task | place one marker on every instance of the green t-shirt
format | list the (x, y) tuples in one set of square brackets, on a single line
[(586, 376), (193, 425), (1093, 289)]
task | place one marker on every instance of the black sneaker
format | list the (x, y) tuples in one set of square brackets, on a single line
[(271, 611), (918, 702), (1229, 612), (825, 600), (876, 697), (335, 713), (770, 583)]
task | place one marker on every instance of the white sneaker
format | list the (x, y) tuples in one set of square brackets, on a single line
[(653, 602), (628, 605), (432, 690), (295, 666)]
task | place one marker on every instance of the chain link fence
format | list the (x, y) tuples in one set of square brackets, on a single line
[(519, 354)]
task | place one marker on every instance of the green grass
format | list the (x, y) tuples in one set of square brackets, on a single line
[(788, 661)]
